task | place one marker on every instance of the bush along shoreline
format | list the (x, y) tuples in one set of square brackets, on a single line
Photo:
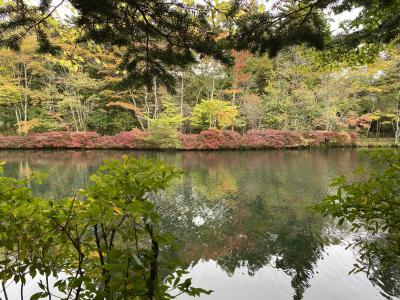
[(211, 139)]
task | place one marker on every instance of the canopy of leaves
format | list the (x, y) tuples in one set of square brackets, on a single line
[(163, 130), (214, 113), (150, 37), (305, 22)]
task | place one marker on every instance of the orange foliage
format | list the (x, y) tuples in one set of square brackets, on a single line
[(128, 106), (240, 64)]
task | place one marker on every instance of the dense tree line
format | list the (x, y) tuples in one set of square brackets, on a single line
[(83, 89), (169, 66)]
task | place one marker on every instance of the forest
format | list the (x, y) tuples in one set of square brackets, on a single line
[(87, 87), (82, 89)]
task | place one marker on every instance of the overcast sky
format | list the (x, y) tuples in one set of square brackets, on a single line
[(335, 20)]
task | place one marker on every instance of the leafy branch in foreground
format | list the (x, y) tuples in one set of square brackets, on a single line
[(371, 205), (102, 244)]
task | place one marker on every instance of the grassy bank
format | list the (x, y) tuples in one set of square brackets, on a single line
[(375, 142)]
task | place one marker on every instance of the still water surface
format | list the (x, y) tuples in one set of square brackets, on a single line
[(241, 219)]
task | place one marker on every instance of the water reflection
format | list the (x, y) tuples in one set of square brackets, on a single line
[(253, 212), (239, 216), (378, 259)]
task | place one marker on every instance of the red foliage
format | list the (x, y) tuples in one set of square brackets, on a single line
[(354, 136), (209, 139), (212, 139), (190, 141), (317, 138), (261, 139), (135, 139), (240, 63), (216, 139)]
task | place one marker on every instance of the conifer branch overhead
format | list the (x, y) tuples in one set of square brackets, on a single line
[(152, 36)]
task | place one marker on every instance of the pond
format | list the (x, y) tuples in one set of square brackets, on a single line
[(242, 219)]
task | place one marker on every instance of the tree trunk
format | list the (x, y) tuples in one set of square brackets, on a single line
[(146, 95), (212, 88), (152, 283), (25, 94), (73, 116), (397, 131), (18, 118), (155, 98), (180, 125), (137, 115), (4, 290)]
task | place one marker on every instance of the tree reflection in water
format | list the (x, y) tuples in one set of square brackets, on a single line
[(370, 204), (240, 209), (250, 225), (381, 262)]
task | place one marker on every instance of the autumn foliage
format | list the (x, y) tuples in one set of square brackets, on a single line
[(211, 139)]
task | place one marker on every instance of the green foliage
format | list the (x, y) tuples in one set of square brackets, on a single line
[(111, 121), (290, 23), (101, 244), (166, 34), (171, 34), (9, 92), (296, 90), (306, 22), (373, 199), (214, 113), (371, 203), (163, 130)]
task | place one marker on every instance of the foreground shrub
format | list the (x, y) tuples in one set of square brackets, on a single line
[(370, 204), (103, 244)]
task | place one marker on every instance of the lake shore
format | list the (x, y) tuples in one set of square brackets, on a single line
[(376, 142), (211, 139)]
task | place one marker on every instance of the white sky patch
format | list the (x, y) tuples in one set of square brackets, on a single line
[(63, 12), (66, 11), (336, 20)]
